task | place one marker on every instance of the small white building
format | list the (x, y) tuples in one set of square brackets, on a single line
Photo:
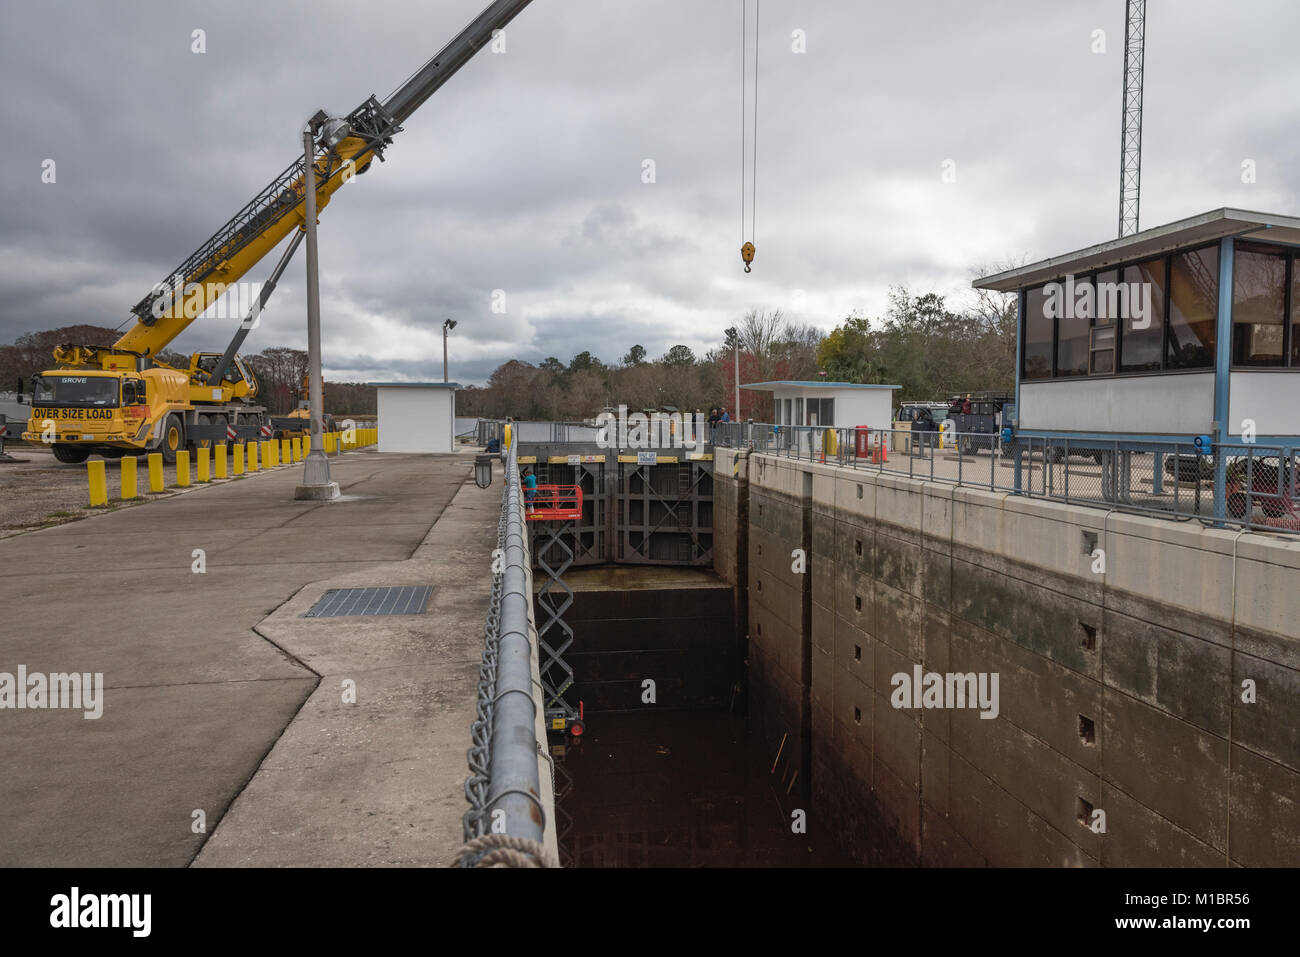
[(841, 405), (417, 416)]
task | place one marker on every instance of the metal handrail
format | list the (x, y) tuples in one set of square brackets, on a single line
[(503, 758), (1170, 479)]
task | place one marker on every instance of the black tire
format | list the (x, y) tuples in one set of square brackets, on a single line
[(1273, 507), (71, 454), (173, 439)]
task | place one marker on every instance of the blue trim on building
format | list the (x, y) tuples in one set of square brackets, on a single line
[(1021, 297), (1223, 372)]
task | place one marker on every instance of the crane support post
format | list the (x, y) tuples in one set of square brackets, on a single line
[(254, 312)]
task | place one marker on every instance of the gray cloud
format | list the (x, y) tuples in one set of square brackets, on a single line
[(524, 173)]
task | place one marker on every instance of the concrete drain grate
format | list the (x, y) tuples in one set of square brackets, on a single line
[(403, 600)]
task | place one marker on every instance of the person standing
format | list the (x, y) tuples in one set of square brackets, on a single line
[(530, 488)]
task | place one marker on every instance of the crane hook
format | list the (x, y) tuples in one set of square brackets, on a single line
[(747, 254)]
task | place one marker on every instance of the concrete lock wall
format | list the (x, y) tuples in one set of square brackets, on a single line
[(1120, 691)]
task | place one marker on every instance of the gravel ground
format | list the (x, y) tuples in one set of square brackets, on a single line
[(41, 491)]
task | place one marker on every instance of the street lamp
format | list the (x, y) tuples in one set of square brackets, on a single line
[(447, 326), (483, 470)]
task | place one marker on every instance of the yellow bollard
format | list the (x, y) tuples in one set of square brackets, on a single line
[(239, 459), (219, 460), (183, 468), (252, 456), (155, 472), (505, 440), (297, 449), (286, 451), (306, 445), (204, 475), (329, 443), (129, 465), (98, 483), (273, 453)]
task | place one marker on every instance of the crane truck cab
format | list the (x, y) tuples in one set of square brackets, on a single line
[(108, 411)]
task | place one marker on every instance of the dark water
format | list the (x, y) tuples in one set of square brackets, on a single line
[(679, 789)]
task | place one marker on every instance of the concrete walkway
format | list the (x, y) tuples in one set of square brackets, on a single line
[(217, 691)]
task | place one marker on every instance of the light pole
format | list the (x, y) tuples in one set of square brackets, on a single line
[(447, 326), (316, 482)]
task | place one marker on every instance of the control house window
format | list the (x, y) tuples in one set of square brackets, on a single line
[(1193, 308), (1259, 294)]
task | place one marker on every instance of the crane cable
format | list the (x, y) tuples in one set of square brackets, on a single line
[(747, 247)]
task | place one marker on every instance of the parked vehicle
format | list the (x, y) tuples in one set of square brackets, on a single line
[(977, 419), (1189, 468), (1270, 483)]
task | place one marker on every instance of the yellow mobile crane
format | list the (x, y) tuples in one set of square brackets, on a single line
[(120, 400)]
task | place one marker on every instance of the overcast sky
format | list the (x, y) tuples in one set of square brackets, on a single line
[(524, 173)]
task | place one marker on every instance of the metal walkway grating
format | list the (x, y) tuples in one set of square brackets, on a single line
[(340, 602)]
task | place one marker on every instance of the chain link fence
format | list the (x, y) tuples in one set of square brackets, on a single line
[(1172, 479)]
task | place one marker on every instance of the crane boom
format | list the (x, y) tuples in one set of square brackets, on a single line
[(120, 400), (344, 146)]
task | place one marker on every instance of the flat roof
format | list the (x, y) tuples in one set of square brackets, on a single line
[(1185, 233), (414, 385), (814, 384)]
